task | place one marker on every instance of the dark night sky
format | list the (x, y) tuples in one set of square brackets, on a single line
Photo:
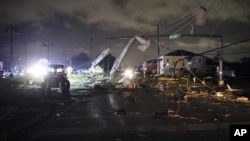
[(69, 24)]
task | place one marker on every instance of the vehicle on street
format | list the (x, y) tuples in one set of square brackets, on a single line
[(55, 78)]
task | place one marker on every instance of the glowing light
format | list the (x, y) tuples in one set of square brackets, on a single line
[(220, 72), (39, 68), (59, 70), (69, 70), (128, 73)]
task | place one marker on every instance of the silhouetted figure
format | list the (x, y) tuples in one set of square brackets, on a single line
[(11, 75)]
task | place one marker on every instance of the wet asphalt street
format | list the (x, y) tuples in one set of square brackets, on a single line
[(120, 115)]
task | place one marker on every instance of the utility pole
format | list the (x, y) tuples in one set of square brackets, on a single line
[(48, 44), (158, 49), (12, 31), (63, 58), (221, 81)]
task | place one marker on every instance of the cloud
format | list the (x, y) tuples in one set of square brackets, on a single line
[(114, 14), (69, 22), (202, 43), (237, 10)]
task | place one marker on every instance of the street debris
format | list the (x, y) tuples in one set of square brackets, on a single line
[(242, 99), (171, 112), (232, 90), (162, 91), (187, 118), (55, 102), (120, 112), (219, 94)]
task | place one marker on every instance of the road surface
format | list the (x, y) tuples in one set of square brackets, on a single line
[(119, 115)]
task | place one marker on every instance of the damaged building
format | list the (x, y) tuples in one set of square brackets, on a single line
[(170, 64)]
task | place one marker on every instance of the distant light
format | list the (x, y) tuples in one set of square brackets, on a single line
[(144, 66), (39, 68), (69, 70), (128, 73), (59, 70)]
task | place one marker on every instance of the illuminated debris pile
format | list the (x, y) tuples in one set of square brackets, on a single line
[(79, 81), (233, 91), (198, 90), (96, 70), (242, 99), (83, 80)]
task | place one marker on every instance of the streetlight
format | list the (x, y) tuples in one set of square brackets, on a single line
[(11, 31), (48, 44)]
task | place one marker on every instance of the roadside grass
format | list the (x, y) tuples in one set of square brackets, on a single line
[(18, 82), (5, 82), (27, 81)]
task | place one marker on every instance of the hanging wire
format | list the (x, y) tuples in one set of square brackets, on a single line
[(181, 19), (186, 21), (217, 9), (184, 26)]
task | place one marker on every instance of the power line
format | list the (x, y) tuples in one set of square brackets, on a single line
[(183, 18), (236, 53), (246, 40), (188, 19)]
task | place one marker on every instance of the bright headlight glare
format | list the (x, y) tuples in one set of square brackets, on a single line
[(59, 70), (128, 73), (37, 71)]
